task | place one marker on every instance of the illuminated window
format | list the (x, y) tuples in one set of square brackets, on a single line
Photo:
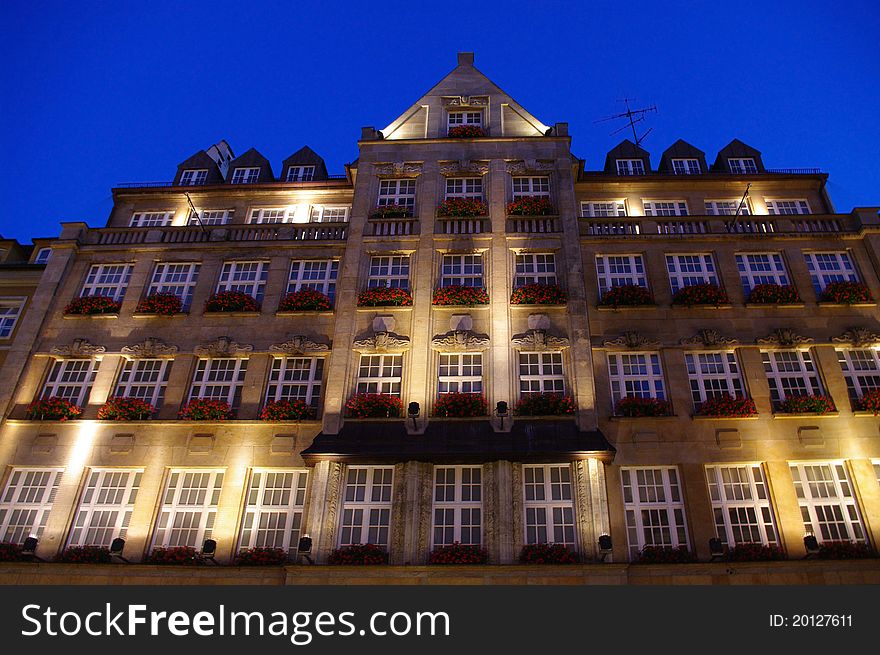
[(71, 379), (300, 173), (460, 372), (296, 378), (324, 214), (861, 369), (212, 217), (219, 378), (790, 373), (741, 505), (151, 219), (635, 374), (105, 508), (461, 270), (742, 165), (315, 274), (273, 512), (10, 310), (398, 192), (549, 505), (535, 268), (193, 177), (366, 506), (665, 208), (687, 270), (760, 268), (246, 175), (603, 208), (828, 267), (654, 509), (26, 503), (390, 271), (630, 167), (464, 187), (541, 372), (713, 375), (531, 187), (247, 276), (177, 278), (458, 505), (828, 506), (686, 167), (380, 374), (457, 118), (110, 280), (145, 379), (189, 508), (620, 270), (281, 215), (788, 207), (726, 208)]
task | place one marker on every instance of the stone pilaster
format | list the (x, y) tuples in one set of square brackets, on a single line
[(591, 504), (147, 504), (226, 523), (252, 391), (490, 503), (400, 509), (177, 389), (415, 503), (322, 514), (505, 511)]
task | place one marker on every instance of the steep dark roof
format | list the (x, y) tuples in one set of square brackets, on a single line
[(737, 148), (626, 149), (681, 150), (198, 161), (250, 159), (305, 156)]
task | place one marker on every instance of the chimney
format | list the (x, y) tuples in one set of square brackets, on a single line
[(465, 58)]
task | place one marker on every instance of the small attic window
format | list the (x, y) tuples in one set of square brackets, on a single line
[(42, 255), (300, 173), (630, 167), (742, 165), (193, 177), (686, 166), (246, 175), (465, 124)]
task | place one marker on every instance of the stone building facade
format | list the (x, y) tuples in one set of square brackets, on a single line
[(671, 478)]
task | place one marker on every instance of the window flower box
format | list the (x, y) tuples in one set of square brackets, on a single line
[(531, 206), (465, 132), (870, 402), (845, 550), (544, 404), (774, 294), (305, 300), (462, 207), (125, 409), (205, 409), (374, 405), (459, 554), (288, 410), (752, 552), (635, 406), (700, 294), (538, 294), (231, 301), (460, 296), (626, 295), (85, 555), (846, 293), (177, 555), (460, 405), (384, 297), (359, 555), (728, 407), (161, 304), (53, 409), (548, 554), (10, 552), (92, 306), (807, 404), (666, 555), (392, 211), (261, 557)]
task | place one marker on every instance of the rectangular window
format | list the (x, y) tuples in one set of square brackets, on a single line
[(105, 508), (151, 219), (457, 118), (727, 208), (458, 505), (461, 373), (296, 378), (665, 208), (300, 173), (861, 369), (380, 374), (219, 378), (788, 207), (10, 310), (742, 165), (273, 513), (760, 268), (71, 379), (654, 509), (390, 271), (828, 267), (828, 506), (189, 508), (43, 255), (398, 192), (535, 268), (325, 214), (790, 373), (461, 270), (620, 270), (212, 217), (687, 270), (26, 503), (713, 375), (315, 274), (630, 167), (686, 167), (177, 278), (464, 187), (272, 216), (541, 373), (635, 374), (530, 187), (110, 280), (247, 277), (366, 506), (741, 505), (549, 504), (603, 208), (145, 379), (246, 175), (193, 177)]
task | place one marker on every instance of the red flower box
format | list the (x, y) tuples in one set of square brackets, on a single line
[(288, 410), (847, 293), (666, 555), (10, 552), (125, 409), (384, 297), (544, 404), (163, 304), (548, 554), (807, 404), (261, 557), (462, 207), (531, 206), (459, 295), (844, 550), (359, 555), (538, 294), (459, 554), (700, 294), (392, 211), (204, 409), (774, 294), (53, 409), (85, 555), (305, 300), (231, 301), (635, 406), (870, 402), (626, 295), (728, 406), (374, 405), (751, 552), (91, 306), (465, 132), (460, 405), (177, 555)]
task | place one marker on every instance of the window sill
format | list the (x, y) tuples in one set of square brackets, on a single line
[(159, 421), (234, 314), (539, 305), (700, 417), (862, 413), (518, 216), (79, 316), (667, 417), (773, 305), (461, 307), (706, 306), (305, 312), (617, 308), (803, 415), (151, 315), (384, 308), (847, 304), (480, 217)]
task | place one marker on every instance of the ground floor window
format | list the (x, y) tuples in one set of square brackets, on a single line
[(458, 505), (549, 504), (273, 511), (654, 508), (189, 508), (366, 506), (741, 504)]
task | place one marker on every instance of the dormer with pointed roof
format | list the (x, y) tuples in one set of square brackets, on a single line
[(303, 165), (250, 168), (740, 153), (198, 170), (619, 160), (682, 150)]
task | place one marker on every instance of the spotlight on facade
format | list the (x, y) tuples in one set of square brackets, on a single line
[(29, 549), (501, 411), (116, 548), (412, 411), (209, 550), (605, 545), (716, 548), (811, 544), (304, 548)]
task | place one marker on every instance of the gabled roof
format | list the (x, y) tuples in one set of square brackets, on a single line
[(305, 156), (200, 160), (626, 149), (737, 148), (681, 149), (250, 159)]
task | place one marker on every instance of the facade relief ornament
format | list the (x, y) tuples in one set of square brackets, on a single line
[(538, 339), (149, 348), (784, 337), (299, 345), (708, 338), (528, 166), (859, 337), (222, 347), (82, 348), (465, 101), (398, 169), (382, 342), (460, 340), (632, 341), (464, 166)]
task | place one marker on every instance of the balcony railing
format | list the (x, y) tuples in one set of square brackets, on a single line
[(462, 225), (666, 226), (391, 227), (195, 234), (533, 224)]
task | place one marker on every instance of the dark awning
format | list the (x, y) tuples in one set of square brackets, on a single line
[(458, 442)]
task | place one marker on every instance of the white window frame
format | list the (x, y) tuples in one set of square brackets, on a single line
[(630, 166), (541, 372), (193, 177), (145, 379), (315, 274), (329, 213), (741, 504), (151, 219), (300, 378), (687, 269), (861, 370), (778, 366), (380, 373), (10, 312), (665, 207), (462, 270), (653, 504), (367, 497), (179, 278), (828, 505), (548, 504), (686, 166), (531, 186), (109, 280), (70, 379), (43, 255), (620, 269), (246, 175), (464, 117), (464, 187), (603, 208), (105, 506), (389, 271), (219, 378), (726, 207), (534, 268), (742, 165), (300, 174), (212, 217), (830, 266), (761, 268), (27, 501), (460, 372), (189, 507), (457, 513), (399, 191), (787, 206), (272, 215), (713, 374), (638, 374), (247, 276), (274, 508)]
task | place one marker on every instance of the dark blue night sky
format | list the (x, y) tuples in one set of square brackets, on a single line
[(93, 94)]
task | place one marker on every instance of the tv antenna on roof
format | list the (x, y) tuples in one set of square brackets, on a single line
[(632, 116)]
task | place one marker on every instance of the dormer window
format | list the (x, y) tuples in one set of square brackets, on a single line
[(630, 167), (300, 173), (742, 165), (42, 255), (193, 177), (246, 175), (686, 166)]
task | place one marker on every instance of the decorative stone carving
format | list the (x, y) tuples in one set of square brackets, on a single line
[(472, 167), (460, 340), (490, 502), (299, 345), (333, 498), (584, 509), (859, 337), (632, 341), (784, 337), (149, 348), (465, 101), (222, 347), (79, 348), (528, 166), (708, 338), (539, 340), (398, 169), (382, 342)]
